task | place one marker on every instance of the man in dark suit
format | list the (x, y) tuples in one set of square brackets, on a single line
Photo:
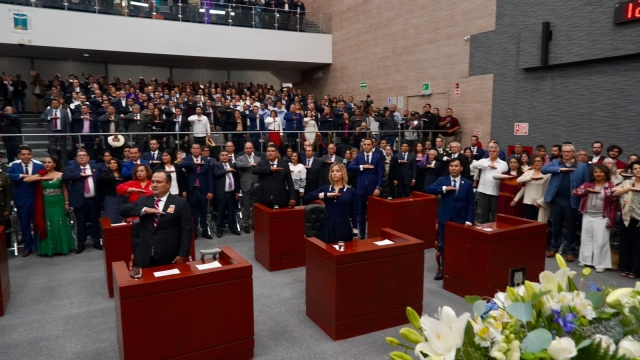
[(178, 125), (110, 124), (199, 187), (256, 123), (370, 168), (313, 165), (165, 225), (274, 179), (455, 154), (154, 157), (406, 170), (82, 182), (128, 166), (433, 169), (24, 195), (227, 193), (58, 122), (248, 181), (120, 103), (11, 128), (83, 123), (478, 152), (327, 161), (456, 203)]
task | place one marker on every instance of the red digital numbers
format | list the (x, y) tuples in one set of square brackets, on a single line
[(627, 11)]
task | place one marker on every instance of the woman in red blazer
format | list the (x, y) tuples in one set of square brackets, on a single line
[(141, 186)]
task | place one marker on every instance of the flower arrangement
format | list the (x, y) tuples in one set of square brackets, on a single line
[(553, 319)]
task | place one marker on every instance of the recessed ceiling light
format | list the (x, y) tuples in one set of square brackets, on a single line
[(85, 54)]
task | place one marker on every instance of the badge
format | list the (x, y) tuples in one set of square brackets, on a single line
[(171, 208)]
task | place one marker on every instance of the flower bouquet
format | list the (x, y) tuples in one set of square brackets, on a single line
[(554, 319)]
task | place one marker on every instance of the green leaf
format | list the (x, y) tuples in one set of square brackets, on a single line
[(527, 356), (584, 343), (469, 334), (397, 355), (537, 340), (479, 307), (596, 298), (539, 295), (572, 285), (521, 311), (635, 312), (471, 299)]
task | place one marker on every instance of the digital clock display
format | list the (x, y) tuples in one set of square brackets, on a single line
[(627, 11)]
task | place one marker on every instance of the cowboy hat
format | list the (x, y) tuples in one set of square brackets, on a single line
[(116, 140)]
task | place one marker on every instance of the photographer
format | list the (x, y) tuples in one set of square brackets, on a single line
[(410, 125), (428, 122), (11, 124)]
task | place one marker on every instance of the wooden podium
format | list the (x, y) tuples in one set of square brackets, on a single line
[(278, 237), (117, 246), (414, 216), (197, 314), (479, 261), (5, 289), (366, 287)]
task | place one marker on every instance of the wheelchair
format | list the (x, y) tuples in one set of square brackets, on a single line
[(13, 233)]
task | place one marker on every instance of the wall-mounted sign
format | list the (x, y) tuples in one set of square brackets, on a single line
[(627, 11), (363, 86), (521, 129)]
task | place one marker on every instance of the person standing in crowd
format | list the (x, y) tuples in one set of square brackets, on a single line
[(39, 92), (428, 123), (406, 171), (614, 152), (454, 154), (54, 197), (58, 122), (24, 196), (556, 152), (596, 149), (84, 123), (422, 160), (200, 127), (535, 208), (432, 170), (488, 187), (165, 225), (275, 184), (612, 169), (134, 123), (629, 193), (476, 149), (274, 125), (227, 193), (525, 161), (248, 183), (370, 168), (474, 173), (598, 207), (448, 126), (140, 186), (326, 162), (84, 195), (104, 164), (178, 177), (313, 166), (11, 130), (129, 166), (19, 93), (199, 187), (153, 157), (338, 223), (510, 191), (391, 175), (299, 176), (456, 203), (566, 175), (108, 181)]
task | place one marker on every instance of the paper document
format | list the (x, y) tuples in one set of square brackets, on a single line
[(337, 247), (487, 229), (166, 272), (383, 242), (120, 224), (210, 265)]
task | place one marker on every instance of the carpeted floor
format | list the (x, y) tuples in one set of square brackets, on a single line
[(60, 309)]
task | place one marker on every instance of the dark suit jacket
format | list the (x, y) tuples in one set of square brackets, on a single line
[(120, 109), (274, 186), (433, 174), (78, 124), (180, 175), (205, 175), (127, 168), (456, 206), (11, 124), (148, 156), (314, 175), (172, 236), (105, 124), (406, 171), (466, 165), (23, 193), (75, 183), (63, 118), (479, 153), (326, 168), (368, 179), (220, 175)]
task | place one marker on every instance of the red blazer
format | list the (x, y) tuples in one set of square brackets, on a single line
[(122, 189)]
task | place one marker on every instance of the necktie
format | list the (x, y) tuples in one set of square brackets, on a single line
[(87, 188), (198, 173), (229, 179), (404, 156), (346, 130), (367, 158), (157, 217), (308, 162), (232, 160), (155, 154), (26, 170), (55, 121), (454, 184), (273, 165)]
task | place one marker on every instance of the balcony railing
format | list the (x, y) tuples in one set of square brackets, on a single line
[(204, 12)]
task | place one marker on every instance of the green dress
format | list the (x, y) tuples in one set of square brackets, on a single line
[(59, 233)]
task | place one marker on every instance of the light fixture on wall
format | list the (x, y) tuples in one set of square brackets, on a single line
[(467, 38), (85, 54), (214, 12)]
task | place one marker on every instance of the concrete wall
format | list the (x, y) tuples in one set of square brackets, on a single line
[(396, 46), (589, 90)]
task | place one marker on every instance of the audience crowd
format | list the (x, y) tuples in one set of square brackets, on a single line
[(219, 141)]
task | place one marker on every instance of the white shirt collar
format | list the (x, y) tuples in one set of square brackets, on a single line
[(162, 199)]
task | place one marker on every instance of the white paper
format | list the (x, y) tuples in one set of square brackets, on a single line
[(119, 224), (337, 247), (383, 242), (166, 272), (487, 229), (210, 265)]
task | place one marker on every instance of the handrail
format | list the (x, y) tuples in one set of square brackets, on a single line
[(207, 12)]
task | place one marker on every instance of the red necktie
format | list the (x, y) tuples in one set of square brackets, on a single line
[(197, 172), (87, 188), (157, 217)]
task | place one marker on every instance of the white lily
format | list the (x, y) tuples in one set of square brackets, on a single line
[(550, 281), (444, 335), (562, 348), (629, 347)]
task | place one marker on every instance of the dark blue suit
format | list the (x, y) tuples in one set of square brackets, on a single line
[(368, 181), (254, 121), (456, 206), (127, 168), (86, 209), (24, 200), (199, 184)]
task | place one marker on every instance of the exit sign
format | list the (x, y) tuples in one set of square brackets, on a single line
[(426, 87), (627, 11), (363, 86)]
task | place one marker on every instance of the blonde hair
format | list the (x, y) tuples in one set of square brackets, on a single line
[(343, 169)]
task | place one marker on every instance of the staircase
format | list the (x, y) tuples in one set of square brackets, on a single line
[(38, 143)]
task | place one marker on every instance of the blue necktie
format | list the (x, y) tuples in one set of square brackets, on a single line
[(368, 159)]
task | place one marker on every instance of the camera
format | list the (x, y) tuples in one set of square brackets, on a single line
[(368, 101)]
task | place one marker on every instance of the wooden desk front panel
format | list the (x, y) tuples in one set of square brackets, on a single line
[(279, 237), (5, 284)]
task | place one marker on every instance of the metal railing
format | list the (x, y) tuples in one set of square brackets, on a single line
[(204, 12)]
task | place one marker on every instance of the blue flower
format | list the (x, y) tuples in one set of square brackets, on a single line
[(491, 306), (566, 322), (593, 287)]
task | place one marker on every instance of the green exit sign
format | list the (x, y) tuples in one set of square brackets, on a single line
[(363, 86), (426, 87)]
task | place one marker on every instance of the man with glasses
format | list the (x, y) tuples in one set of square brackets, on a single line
[(566, 174)]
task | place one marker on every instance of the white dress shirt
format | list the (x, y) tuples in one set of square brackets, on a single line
[(487, 184), (200, 128)]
